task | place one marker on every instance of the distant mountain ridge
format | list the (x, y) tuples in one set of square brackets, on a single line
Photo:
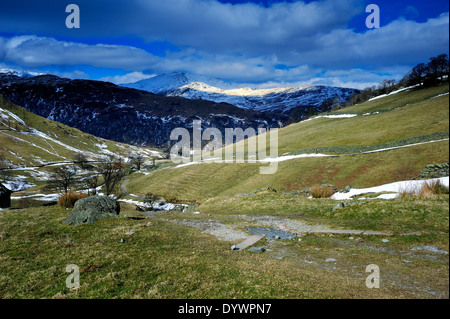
[(166, 83), (275, 100), (7, 71), (123, 114)]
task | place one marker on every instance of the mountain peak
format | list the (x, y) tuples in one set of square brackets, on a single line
[(166, 83), (279, 100)]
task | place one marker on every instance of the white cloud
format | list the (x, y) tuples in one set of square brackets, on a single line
[(127, 78), (33, 51), (240, 43)]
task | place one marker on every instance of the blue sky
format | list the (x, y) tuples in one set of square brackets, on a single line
[(261, 43)]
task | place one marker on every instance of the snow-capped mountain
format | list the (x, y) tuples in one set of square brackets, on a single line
[(276, 100), (7, 71), (168, 84)]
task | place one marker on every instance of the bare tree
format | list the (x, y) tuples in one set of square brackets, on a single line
[(438, 66), (112, 171), (92, 183), (418, 74), (386, 86), (63, 178), (81, 160), (137, 159)]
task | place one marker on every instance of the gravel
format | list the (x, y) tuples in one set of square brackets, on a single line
[(293, 226), (432, 249), (215, 228)]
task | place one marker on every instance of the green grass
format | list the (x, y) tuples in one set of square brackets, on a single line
[(166, 260), (429, 216), (396, 100), (201, 182), (419, 115)]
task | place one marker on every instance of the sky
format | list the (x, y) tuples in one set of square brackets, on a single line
[(260, 43)]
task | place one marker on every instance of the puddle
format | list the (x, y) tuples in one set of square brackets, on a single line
[(271, 233)]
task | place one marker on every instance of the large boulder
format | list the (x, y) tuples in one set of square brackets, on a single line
[(92, 209)]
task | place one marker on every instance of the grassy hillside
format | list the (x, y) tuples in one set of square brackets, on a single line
[(27, 139), (400, 99), (401, 116), (31, 145), (423, 119)]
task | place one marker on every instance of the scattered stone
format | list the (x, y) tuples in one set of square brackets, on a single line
[(91, 209), (271, 233), (432, 249), (215, 228), (248, 242), (347, 189), (196, 213), (370, 232), (148, 224), (412, 234), (385, 240), (351, 238), (347, 204), (337, 207), (130, 233), (434, 171), (330, 260), (336, 231), (407, 261), (122, 240), (257, 249)]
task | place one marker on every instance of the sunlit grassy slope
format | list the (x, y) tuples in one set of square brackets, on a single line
[(404, 115), (416, 116), (27, 139)]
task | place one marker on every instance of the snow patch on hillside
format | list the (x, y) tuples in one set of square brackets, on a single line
[(395, 188), (392, 93)]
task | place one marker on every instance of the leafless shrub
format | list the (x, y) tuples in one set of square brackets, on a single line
[(319, 191), (68, 200), (405, 171)]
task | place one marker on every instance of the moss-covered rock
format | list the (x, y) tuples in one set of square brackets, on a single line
[(92, 209)]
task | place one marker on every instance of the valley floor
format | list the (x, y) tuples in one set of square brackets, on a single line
[(188, 255)]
